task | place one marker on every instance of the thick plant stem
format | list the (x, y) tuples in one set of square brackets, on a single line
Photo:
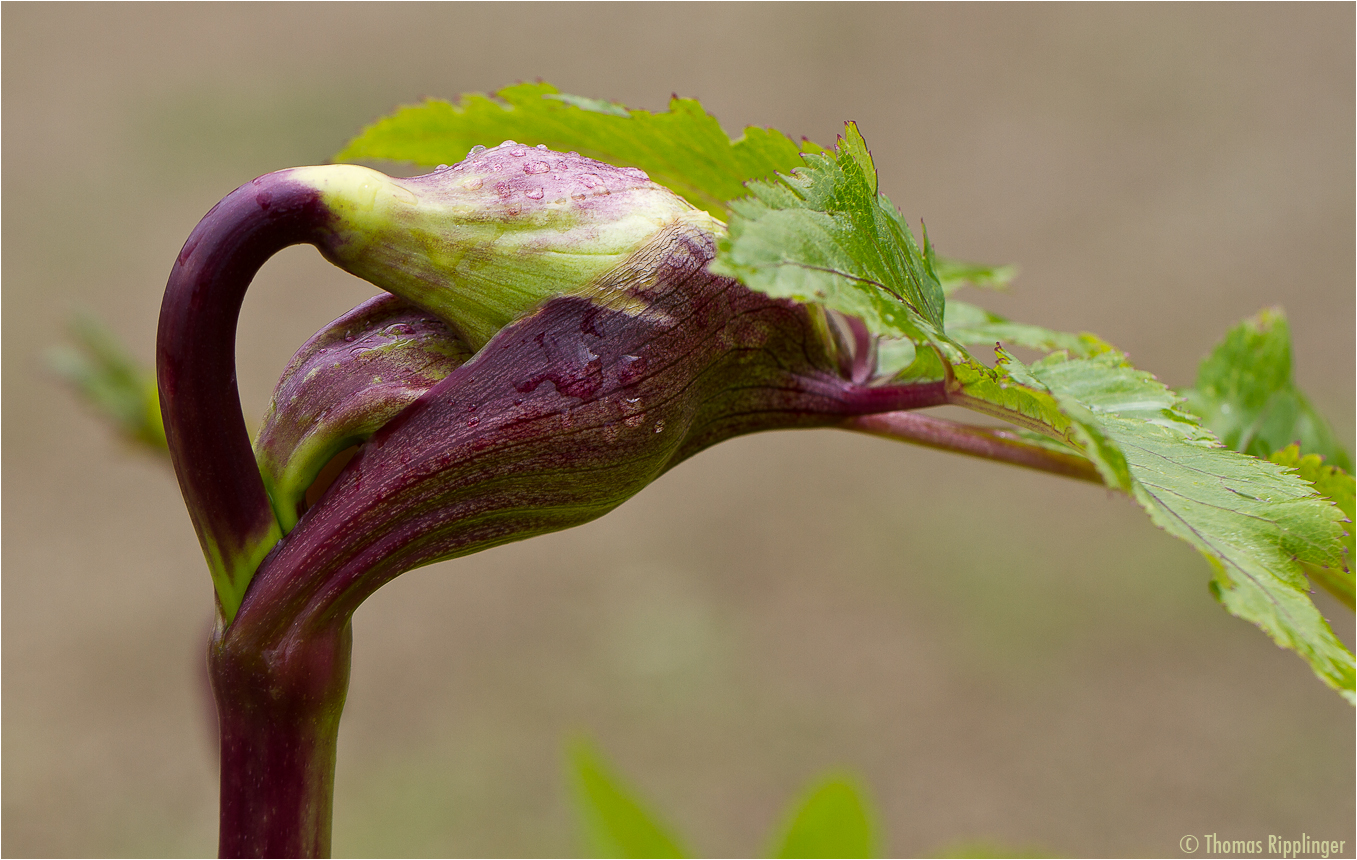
[(999, 445), (279, 713)]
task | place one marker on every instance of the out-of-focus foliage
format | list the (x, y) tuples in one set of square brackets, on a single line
[(1246, 396), (110, 380), (833, 818), (614, 821)]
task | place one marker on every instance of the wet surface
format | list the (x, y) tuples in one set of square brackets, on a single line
[(1001, 656)]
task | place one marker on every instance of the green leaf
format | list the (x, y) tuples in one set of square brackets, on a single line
[(614, 821), (968, 324), (683, 148), (1338, 486), (831, 820), (1246, 396), (825, 235), (1256, 524), (106, 376), (954, 274), (1010, 392)]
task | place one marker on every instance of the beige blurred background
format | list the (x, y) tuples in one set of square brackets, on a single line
[(1002, 656)]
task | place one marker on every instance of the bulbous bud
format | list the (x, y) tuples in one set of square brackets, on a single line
[(344, 383), (484, 241)]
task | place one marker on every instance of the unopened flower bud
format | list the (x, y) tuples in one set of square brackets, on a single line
[(347, 381), (484, 241)]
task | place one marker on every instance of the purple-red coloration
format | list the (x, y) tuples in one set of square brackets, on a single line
[(279, 720), (196, 364), (343, 384)]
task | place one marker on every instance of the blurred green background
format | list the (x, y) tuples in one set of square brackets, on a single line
[(1001, 656)]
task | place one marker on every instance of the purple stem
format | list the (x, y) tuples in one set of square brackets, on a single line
[(999, 445), (196, 360), (279, 708)]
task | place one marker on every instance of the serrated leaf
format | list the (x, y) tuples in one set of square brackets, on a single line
[(832, 820), (615, 822), (968, 324), (825, 235), (1255, 523), (1011, 392), (1338, 486), (1246, 396), (683, 148)]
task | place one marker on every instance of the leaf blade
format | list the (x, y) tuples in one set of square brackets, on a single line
[(616, 823), (832, 819)]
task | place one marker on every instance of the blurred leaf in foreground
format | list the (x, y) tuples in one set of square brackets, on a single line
[(615, 823), (1246, 396), (832, 820), (108, 378)]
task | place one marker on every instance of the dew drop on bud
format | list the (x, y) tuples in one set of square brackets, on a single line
[(536, 167), (475, 150), (441, 167), (659, 426), (533, 193), (541, 146), (518, 152)]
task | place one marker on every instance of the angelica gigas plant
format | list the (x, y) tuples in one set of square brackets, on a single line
[(568, 314)]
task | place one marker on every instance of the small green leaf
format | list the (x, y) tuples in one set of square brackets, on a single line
[(103, 372), (968, 324), (825, 235), (1246, 396), (683, 148), (954, 274), (615, 823), (831, 820), (1338, 486)]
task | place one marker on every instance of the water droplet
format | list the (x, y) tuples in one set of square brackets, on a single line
[(518, 401), (504, 190), (509, 143), (475, 150), (589, 180), (473, 422), (541, 146), (533, 193), (440, 167), (659, 426), (518, 151), (348, 337), (514, 209), (578, 195), (474, 182), (536, 167)]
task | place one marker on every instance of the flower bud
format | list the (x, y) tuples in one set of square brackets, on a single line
[(344, 383), (484, 241)]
